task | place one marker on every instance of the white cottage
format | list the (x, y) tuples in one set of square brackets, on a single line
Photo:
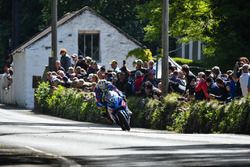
[(84, 32)]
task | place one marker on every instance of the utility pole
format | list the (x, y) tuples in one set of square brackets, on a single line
[(165, 46), (53, 59), (15, 24)]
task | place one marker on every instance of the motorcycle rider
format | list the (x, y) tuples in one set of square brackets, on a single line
[(102, 88)]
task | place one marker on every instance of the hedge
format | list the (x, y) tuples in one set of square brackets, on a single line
[(169, 114)]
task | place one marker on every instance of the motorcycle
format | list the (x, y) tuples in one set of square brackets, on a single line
[(117, 109)]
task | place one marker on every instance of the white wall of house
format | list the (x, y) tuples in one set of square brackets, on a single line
[(34, 58)]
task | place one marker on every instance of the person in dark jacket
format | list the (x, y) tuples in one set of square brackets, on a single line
[(223, 92), (190, 81), (65, 59)]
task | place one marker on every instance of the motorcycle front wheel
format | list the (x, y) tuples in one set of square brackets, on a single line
[(123, 121)]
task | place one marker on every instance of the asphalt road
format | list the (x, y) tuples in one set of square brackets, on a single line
[(60, 142)]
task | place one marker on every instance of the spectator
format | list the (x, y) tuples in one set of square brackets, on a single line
[(93, 78), (201, 89), (82, 63), (216, 73), (58, 66), (114, 66), (138, 82), (75, 59), (80, 72), (139, 66), (212, 87), (208, 73), (125, 69), (190, 81), (122, 84), (150, 77), (234, 86), (88, 60), (65, 59), (93, 68), (244, 79), (145, 65), (223, 92), (102, 73), (151, 91), (151, 67)]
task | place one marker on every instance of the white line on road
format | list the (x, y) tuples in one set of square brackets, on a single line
[(66, 162)]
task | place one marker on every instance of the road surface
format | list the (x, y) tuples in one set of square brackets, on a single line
[(72, 143)]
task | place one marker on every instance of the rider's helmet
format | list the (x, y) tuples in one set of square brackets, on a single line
[(102, 84)]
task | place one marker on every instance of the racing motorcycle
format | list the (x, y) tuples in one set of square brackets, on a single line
[(117, 109)]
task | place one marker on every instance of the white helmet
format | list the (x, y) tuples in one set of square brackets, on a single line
[(102, 84)]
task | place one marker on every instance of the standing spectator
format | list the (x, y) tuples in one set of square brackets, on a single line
[(190, 81), (139, 66), (114, 66), (234, 86), (122, 83), (244, 79), (151, 67), (145, 64), (65, 59), (216, 73)]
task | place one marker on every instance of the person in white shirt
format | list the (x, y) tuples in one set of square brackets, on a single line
[(244, 79)]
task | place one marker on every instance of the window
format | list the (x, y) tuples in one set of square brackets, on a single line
[(89, 44)]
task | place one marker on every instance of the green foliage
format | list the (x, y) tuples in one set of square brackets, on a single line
[(237, 117), (140, 53), (67, 103), (182, 61), (42, 93), (204, 117), (222, 26), (160, 117)]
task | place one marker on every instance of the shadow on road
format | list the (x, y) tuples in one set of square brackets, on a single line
[(208, 155), (17, 156)]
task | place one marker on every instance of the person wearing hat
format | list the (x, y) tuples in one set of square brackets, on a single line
[(114, 66), (139, 66), (65, 59), (244, 79)]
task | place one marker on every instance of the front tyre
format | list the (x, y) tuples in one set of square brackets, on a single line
[(123, 121)]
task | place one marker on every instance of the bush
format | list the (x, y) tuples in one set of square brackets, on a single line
[(41, 95)]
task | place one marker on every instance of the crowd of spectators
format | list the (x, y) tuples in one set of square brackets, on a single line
[(83, 73)]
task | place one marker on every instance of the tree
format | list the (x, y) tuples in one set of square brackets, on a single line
[(222, 25), (5, 31)]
